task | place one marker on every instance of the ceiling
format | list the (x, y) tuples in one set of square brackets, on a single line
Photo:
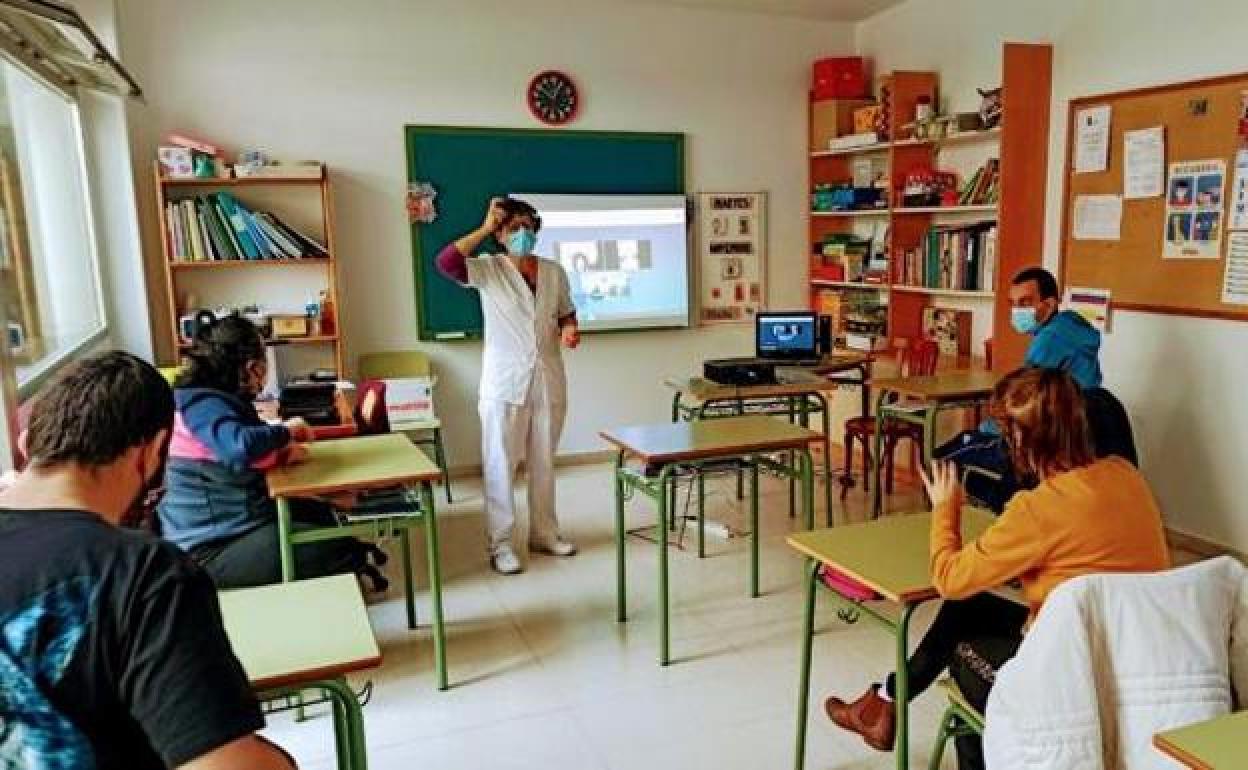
[(828, 10)]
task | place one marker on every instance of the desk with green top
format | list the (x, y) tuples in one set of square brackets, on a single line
[(361, 464), (667, 448), (936, 392), (1216, 744), (891, 557), (295, 637), (697, 398)]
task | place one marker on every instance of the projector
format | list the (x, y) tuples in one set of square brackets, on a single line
[(740, 371)]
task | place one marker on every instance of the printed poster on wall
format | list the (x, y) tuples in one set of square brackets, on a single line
[(732, 266), (1239, 193), (1194, 208)]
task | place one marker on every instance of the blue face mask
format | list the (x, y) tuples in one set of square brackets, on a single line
[(1023, 319), (521, 242)]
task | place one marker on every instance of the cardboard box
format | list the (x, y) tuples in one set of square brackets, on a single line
[(831, 118), (409, 402), (286, 326)]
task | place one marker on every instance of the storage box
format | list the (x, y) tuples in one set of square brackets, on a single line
[(832, 118), (839, 77), (864, 119), (409, 403), (286, 326)]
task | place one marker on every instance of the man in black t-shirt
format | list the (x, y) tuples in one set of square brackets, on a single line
[(112, 649)]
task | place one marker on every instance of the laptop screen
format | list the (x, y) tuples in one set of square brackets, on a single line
[(787, 335)]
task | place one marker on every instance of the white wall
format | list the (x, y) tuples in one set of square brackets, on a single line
[(1182, 379), (337, 81)]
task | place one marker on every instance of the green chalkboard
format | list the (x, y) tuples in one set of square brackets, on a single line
[(468, 166)]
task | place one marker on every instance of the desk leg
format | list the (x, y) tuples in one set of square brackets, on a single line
[(864, 373), (353, 717), (755, 536), (902, 745), (792, 465), (435, 581), (877, 506), (405, 547), (701, 514), (665, 479), (827, 455), (929, 435), (808, 636), (621, 589), (284, 544), (342, 742), (806, 470)]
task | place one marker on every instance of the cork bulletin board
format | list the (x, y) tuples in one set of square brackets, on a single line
[(1201, 122)]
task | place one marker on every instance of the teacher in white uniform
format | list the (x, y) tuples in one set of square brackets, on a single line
[(528, 313)]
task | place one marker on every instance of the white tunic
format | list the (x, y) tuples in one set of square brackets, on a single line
[(521, 329)]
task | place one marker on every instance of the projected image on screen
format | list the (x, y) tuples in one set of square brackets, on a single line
[(625, 256)]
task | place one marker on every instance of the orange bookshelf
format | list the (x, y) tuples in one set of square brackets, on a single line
[(1023, 140)]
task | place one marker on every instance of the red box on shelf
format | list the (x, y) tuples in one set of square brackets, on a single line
[(839, 77)]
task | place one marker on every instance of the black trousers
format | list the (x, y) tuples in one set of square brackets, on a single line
[(253, 558), (967, 633)]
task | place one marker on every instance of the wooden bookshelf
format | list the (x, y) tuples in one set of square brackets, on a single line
[(1019, 214), (179, 280)]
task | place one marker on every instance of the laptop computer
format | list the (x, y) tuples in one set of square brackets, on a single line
[(787, 338)]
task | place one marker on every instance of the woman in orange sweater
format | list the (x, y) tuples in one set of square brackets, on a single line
[(1083, 516)]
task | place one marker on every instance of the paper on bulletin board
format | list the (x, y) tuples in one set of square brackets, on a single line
[(1098, 217), (1092, 139), (1239, 193), (1092, 304), (732, 239), (1194, 208), (1143, 163), (1235, 281)]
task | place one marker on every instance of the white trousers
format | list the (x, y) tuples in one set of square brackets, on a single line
[(511, 433)]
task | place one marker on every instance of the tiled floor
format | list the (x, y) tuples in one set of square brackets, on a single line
[(542, 675)]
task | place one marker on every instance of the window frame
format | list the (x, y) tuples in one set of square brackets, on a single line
[(12, 393)]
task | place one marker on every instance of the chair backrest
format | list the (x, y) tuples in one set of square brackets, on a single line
[(394, 364), (1110, 426), (919, 357)]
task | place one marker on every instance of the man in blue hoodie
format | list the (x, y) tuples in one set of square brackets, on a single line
[(1061, 339)]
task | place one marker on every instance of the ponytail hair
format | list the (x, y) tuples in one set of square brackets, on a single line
[(1041, 413), (220, 352)]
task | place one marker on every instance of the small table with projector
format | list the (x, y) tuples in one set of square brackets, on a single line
[(789, 376)]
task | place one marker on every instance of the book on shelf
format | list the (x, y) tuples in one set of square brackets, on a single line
[(218, 228), (951, 257), (983, 187)]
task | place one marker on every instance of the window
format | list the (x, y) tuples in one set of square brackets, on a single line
[(50, 298)]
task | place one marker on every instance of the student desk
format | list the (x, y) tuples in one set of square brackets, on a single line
[(696, 398), (666, 448), (936, 392), (359, 464), (891, 556), (296, 637), (1217, 744)]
